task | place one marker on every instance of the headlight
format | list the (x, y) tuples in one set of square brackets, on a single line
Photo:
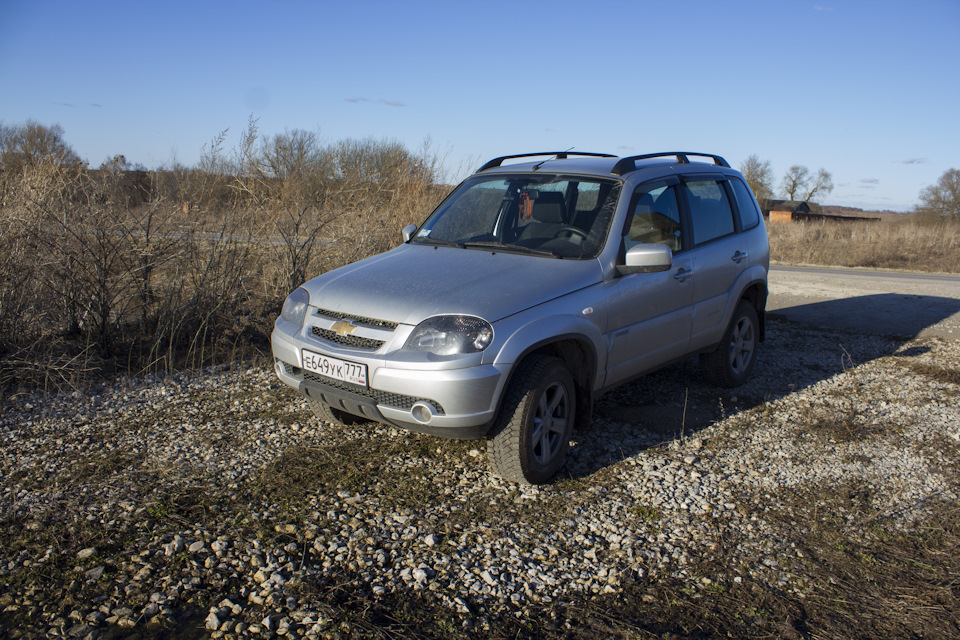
[(449, 335), (295, 306)]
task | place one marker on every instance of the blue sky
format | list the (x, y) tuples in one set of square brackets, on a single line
[(869, 90)]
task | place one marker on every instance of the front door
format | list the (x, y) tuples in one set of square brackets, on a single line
[(650, 315)]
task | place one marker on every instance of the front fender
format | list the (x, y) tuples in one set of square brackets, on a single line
[(539, 332)]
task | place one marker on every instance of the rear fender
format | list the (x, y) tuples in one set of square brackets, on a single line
[(754, 276)]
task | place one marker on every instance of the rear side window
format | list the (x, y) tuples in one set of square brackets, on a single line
[(710, 210), (746, 205)]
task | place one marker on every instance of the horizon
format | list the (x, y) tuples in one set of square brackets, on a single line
[(794, 83)]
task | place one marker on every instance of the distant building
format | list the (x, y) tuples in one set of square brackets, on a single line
[(792, 211), (787, 210)]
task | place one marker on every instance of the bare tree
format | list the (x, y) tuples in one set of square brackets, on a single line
[(821, 186), (942, 200), (32, 143), (293, 154), (759, 175), (800, 185), (795, 180), (386, 162), (287, 177)]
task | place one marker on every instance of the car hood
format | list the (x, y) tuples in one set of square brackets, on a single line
[(412, 283)]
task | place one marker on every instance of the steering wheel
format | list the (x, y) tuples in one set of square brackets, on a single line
[(571, 231)]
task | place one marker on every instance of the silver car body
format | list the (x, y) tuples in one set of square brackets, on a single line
[(612, 324)]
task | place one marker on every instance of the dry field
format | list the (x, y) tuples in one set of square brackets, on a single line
[(896, 242)]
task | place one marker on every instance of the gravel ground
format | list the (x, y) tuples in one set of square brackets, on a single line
[(214, 503)]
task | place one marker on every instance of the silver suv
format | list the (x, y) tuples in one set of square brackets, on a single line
[(534, 287)]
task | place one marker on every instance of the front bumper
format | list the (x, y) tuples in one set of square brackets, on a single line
[(453, 403)]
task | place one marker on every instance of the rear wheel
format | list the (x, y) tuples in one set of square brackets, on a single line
[(532, 433), (336, 417), (730, 365)]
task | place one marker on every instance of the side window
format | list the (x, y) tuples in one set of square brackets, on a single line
[(656, 216), (749, 214), (710, 210)]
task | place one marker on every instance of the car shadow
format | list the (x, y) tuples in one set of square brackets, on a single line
[(891, 314), (804, 345)]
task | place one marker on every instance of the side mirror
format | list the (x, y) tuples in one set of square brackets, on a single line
[(647, 258), (408, 232)]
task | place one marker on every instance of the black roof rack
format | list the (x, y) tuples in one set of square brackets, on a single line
[(630, 163), (559, 155)]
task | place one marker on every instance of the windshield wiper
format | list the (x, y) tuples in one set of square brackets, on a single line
[(437, 242), (511, 248)]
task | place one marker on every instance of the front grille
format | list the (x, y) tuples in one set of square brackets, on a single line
[(396, 400), (347, 340), (368, 322)]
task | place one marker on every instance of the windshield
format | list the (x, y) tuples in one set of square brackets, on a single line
[(550, 215)]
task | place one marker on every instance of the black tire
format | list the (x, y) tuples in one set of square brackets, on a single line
[(530, 438), (730, 365), (336, 417)]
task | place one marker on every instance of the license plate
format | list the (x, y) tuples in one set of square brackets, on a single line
[(343, 370)]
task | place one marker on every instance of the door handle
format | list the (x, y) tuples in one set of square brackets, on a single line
[(682, 274), (739, 256)]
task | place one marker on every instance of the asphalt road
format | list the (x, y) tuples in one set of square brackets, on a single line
[(902, 304)]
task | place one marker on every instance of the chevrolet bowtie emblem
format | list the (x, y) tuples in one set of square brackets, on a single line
[(343, 328)]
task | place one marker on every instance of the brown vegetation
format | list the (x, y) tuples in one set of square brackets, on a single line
[(908, 243), (108, 270)]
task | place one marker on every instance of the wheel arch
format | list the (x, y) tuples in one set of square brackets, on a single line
[(579, 355), (756, 294)]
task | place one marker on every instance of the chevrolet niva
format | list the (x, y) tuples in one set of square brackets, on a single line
[(539, 283)]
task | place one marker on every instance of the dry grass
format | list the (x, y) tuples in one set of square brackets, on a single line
[(943, 375), (907, 244), (190, 270)]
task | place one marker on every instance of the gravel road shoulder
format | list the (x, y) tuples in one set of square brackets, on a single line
[(897, 303), (215, 504)]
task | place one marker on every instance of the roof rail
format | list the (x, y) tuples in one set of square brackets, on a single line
[(560, 155), (630, 163)]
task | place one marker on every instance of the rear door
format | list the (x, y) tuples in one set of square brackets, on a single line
[(718, 252)]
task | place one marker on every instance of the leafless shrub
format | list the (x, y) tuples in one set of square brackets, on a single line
[(112, 269)]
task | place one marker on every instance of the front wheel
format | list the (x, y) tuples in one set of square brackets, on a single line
[(532, 432), (730, 365)]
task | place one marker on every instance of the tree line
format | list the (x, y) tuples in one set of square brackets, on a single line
[(798, 184), (937, 201)]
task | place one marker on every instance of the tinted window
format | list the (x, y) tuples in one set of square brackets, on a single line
[(656, 217), (749, 214), (710, 210)]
